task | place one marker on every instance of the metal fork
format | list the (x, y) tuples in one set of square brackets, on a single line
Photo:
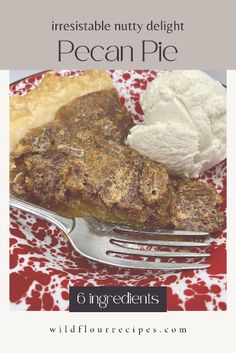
[(111, 243)]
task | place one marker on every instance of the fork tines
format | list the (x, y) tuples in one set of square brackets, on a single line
[(124, 248)]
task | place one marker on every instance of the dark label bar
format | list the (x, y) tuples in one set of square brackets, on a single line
[(118, 299)]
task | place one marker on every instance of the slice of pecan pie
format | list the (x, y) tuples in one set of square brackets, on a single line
[(78, 164)]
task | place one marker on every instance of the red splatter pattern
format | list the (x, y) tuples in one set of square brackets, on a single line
[(43, 264)]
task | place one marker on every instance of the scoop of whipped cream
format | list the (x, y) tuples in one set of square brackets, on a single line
[(184, 122)]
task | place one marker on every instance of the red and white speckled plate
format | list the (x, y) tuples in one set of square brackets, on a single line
[(43, 264)]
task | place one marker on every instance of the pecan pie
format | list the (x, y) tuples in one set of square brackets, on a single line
[(78, 164)]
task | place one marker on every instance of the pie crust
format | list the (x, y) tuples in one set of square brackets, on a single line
[(38, 107)]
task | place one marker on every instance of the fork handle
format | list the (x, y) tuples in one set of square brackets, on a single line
[(64, 223)]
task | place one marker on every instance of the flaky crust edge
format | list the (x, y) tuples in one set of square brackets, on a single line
[(39, 106)]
